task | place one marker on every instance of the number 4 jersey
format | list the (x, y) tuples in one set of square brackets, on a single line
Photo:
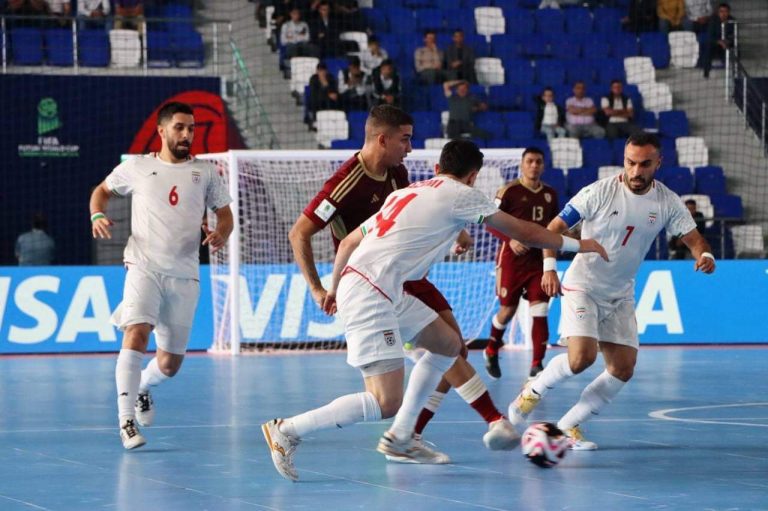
[(414, 229), (167, 208)]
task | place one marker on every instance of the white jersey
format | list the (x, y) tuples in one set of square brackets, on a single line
[(626, 225), (414, 229), (168, 203)]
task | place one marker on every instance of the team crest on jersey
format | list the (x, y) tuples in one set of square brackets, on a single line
[(580, 311), (195, 176), (503, 292), (389, 337), (548, 197), (652, 217)]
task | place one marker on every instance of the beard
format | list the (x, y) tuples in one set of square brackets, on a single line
[(180, 150), (638, 184)]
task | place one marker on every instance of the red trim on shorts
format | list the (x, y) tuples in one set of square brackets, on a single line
[(348, 269)]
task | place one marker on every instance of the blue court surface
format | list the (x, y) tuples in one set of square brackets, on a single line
[(688, 432)]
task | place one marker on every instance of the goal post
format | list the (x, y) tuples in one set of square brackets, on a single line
[(260, 298)]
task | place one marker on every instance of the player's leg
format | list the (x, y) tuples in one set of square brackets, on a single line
[(509, 289), (539, 310)]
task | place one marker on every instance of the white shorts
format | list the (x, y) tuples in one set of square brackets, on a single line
[(167, 303), (374, 328), (607, 321)]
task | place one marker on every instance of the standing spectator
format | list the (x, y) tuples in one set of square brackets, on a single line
[(671, 14), (35, 247), (385, 85), (325, 31), (461, 109), (618, 112), (428, 60), (373, 56), (717, 41), (678, 249), (129, 14), (697, 15), (641, 16), (460, 59), (323, 93), (94, 11), (550, 117), (353, 86), (580, 114), (294, 36)]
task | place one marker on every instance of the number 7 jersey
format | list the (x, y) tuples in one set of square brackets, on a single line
[(414, 229)]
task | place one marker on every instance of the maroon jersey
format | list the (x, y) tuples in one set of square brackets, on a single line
[(351, 195), (538, 206)]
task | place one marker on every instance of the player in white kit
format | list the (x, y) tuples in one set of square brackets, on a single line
[(415, 228), (170, 193), (625, 214)]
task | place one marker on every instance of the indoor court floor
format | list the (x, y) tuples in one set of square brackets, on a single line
[(685, 434)]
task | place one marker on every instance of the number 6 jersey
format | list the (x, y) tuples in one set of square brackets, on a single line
[(168, 203)]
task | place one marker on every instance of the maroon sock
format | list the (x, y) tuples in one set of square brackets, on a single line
[(496, 342), (424, 417), (485, 407), (540, 336)]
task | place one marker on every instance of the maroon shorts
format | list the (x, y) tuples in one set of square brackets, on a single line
[(427, 293), (513, 280)]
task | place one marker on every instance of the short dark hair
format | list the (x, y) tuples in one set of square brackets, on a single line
[(168, 110), (387, 62), (724, 4), (644, 138), (387, 116), (321, 65), (690, 201), (532, 150), (460, 157), (373, 39), (429, 31), (616, 80), (39, 221), (354, 60)]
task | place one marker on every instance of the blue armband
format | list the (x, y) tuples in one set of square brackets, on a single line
[(570, 216)]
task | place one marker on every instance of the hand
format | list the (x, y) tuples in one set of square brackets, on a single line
[(318, 295), (100, 228), (463, 243), (705, 264), (551, 284), (517, 247), (590, 245), (213, 238), (329, 304)]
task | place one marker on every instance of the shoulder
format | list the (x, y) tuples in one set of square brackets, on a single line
[(508, 188), (548, 189)]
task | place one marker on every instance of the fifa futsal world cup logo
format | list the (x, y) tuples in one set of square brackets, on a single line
[(47, 116)]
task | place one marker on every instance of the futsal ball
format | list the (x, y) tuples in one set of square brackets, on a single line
[(544, 444)]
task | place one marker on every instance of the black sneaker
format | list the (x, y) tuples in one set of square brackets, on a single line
[(144, 409), (535, 370), (492, 365)]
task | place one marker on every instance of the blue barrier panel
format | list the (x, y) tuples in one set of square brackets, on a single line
[(66, 309)]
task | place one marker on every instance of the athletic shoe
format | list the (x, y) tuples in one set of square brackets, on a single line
[(577, 442), (501, 436), (282, 447), (535, 370), (523, 405), (145, 409), (130, 435), (421, 452), (492, 365)]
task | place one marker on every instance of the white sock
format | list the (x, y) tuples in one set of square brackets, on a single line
[(127, 377), (424, 378), (472, 389), (557, 370), (595, 396), (151, 376), (434, 401), (342, 411)]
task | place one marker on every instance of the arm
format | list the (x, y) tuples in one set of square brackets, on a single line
[(700, 250), (550, 283), (300, 237), (346, 247), (224, 225), (448, 87), (463, 242), (98, 205)]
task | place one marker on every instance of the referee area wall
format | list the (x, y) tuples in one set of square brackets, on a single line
[(67, 309)]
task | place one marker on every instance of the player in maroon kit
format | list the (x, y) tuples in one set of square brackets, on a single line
[(519, 268), (354, 193)]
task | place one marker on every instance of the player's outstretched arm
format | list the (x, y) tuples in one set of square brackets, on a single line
[(347, 246), (550, 282), (700, 250), (98, 204), (224, 225), (300, 237)]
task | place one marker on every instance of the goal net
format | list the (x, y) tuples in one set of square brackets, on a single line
[(269, 300)]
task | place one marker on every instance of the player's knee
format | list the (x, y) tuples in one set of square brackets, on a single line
[(169, 367), (539, 310), (454, 345), (504, 315), (622, 373), (464, 353), (579, 362), (137, 336), (389, 405)]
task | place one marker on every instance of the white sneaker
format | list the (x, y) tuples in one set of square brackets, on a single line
[(145, 409), (577, 442), (421, 452), (130, 435), (523, 405), (501, 436), (282, 447)]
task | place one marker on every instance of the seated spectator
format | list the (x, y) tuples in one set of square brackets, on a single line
[(35, 247), (349, 16), (294, 36), (325, 31), (580, 114), (353, 86), (323, 93), (428, 60), (550, 117), (678, 249), (717, 42), (461, 109), (282, 14), (617, 112), (670, 14), (641, 16), (129, 14), (93, 13), (385, 85), (373, 56), (697, 15), (460, 59), (62, 9)]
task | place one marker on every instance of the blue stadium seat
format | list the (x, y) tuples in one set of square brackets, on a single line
[(429, 19), (596, 152), (519, 22), (447, 4), (474, 3), (656, 46), (420, 4), (182, 16), (462, 18), (336, 65), (402, 21), (356, 121), (617, 149), (507, 4), (346, 144), (416, 143), (579, 178), (506, 46), (673, 123), (518, 71), (727, 206), (647, 120), (386, 5), (596, 48), (416, 96), (550, 72), (159, 50), (678, 179), (710, 180), (625, 45), (607, 20), (427, 124), (609, 69), (27, 46), (580, 71), (659, 249), (567, 46), (669, 152), (94, 48), (504, 97), (492, 122), (437, 100), (188, 49), (536, 46), (720, 239), (519, 125), (556, 179), (375, 19), (633, 92), (549, 21), (578, 21), (59, 47)]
